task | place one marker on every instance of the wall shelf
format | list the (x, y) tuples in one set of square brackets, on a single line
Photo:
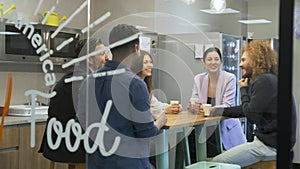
[(17, 66)]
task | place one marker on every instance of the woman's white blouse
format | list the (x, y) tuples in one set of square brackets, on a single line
[(156, 107)]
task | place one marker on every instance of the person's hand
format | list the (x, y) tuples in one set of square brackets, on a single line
[(195, 108), (201, 110), (212, 112), (161, 120), (243, 82), (180, 108), (173, 108)]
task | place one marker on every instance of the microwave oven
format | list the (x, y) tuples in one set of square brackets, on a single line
[(15, 46)]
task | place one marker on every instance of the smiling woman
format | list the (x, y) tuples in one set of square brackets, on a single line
[(212, 60), (218, 88)]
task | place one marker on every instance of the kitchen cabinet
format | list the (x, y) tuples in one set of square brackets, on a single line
[(9, 159), (15, 150), (29, 157), (9, 154)]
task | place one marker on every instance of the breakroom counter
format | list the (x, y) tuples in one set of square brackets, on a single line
[(15, 149), (15, 120)]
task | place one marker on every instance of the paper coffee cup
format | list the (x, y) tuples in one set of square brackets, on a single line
[(206, 108), (174, 102)]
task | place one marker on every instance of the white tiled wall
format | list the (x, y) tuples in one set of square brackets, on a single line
[(22, 82)]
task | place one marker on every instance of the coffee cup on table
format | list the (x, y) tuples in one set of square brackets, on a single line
[(206, 109), (174, 102), (175, 106)]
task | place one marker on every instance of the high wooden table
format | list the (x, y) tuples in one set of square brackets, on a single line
[(179, 123)]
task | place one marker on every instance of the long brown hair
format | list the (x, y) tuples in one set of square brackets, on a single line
[(148, 79), (263, 58), (137, 67)]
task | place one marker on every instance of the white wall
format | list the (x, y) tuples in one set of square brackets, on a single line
[(23, 81), (264, 9), (205, 22), (119, 9), (177, 8), (296, 92), (25, 10)]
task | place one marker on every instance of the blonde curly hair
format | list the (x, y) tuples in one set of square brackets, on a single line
[(263, 58)]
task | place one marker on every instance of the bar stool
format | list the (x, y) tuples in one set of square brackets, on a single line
[(212, 165), (208, 164), (70, 165)]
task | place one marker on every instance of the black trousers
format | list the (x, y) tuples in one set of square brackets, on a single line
[(211, 146)]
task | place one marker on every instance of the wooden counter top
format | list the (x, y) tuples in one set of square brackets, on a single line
[(185, 119), (15, 120), (182, 119)]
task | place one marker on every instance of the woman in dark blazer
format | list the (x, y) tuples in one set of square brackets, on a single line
[(62, 108)]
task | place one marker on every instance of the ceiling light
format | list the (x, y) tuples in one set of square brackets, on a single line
[(225, 11), (218, 5), (188, 2), (140, 27), (200, 24), (255, 21)]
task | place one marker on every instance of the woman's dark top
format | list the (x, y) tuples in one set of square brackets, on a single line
[(62, 108)]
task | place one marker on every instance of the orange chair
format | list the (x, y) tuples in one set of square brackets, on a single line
[(70, 165), (6, 105)]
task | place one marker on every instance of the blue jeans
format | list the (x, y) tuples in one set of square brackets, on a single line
[(247, 154)]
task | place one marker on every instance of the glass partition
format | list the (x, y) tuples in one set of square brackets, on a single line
[(56, 51)]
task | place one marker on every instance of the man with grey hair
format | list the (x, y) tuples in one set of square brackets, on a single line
[(63, 105), (129, 118)]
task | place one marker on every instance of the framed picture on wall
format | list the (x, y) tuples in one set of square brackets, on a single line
[(200, 49), (145, 43)]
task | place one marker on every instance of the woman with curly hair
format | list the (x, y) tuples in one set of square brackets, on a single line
[(259, 67)]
